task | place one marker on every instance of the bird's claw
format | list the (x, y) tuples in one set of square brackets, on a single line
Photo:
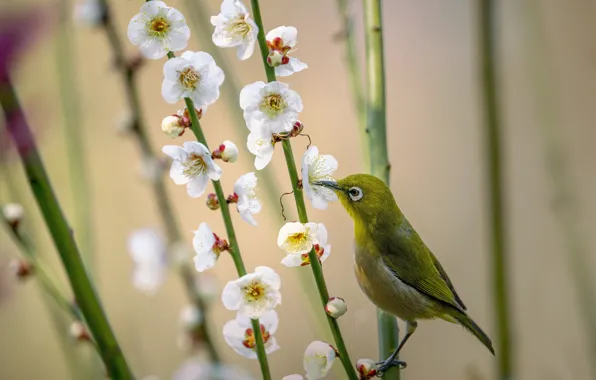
[(387, 364)]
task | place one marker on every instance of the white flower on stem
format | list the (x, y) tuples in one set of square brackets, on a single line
[(253, 294), (240, 335), (281, 41), (89, 12), (322, 249), (270, 106), (260, 143), (193, 75), (158, 29), (318, 359), (317, 167), (234, 27), (298, 238), (247, 201), (208, 247), (192, 166), (293, 377), (148, 252), (172, 126)]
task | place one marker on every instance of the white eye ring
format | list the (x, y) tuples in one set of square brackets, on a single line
[(355, 193)]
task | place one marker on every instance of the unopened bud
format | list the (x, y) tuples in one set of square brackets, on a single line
[(227, 151), (232, 198), (79, 332), (367, 368), (212, 201), (172, 126), (21, 268), (13, 213), (336, 307), (297, 129)]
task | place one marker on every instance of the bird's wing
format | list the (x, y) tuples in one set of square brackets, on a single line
[(413, 263)]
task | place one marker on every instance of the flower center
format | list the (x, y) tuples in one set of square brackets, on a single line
[(239, 27), (298, 238), (273, 104), (194, 166), (189, 78), (158, 27), (249, 337), (254, 291)]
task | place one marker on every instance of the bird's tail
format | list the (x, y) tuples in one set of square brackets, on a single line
[(472, 327)]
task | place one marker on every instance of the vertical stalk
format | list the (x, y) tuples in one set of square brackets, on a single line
[(376, 128), (487, 50), (234, 246), (73, 135), (349, 37), (166, 210), (301, 208), (84, 291), (565, 208)]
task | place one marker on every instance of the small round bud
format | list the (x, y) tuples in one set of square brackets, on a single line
[(79, 332), (21, 268), (232, 198), (367, 368), (220, 245), (13, 213), (275, 58), (297, 129), (336, 307), (229, 151), (171, 126), (212, 201)]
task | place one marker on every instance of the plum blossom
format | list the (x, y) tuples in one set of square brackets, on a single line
[(253, 294), (158, 29), (239, 334), (281, 41), (234, 27), (193, 75), (298, 238), (318, 359), (260, 143), (192, 166), (208, 246), (322, 249), (315, 168), (246, 198)]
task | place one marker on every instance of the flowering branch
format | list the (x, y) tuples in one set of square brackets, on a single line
[(84, 291), (166, 210), (301, 206), (376, 127)]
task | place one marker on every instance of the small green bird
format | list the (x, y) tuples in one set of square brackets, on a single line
[(393, 266)]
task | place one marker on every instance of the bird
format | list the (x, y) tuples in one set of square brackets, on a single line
[(393, 266)]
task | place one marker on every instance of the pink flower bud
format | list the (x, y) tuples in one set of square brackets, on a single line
[(212, 201)]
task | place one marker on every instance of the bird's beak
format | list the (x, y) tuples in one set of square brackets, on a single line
[(329, 184)]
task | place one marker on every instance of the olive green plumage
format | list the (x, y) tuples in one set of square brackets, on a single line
[(393, 266)]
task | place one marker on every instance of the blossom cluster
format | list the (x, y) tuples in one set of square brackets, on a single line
[(271, 112)]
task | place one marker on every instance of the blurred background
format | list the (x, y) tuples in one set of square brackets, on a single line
[(437, 151)]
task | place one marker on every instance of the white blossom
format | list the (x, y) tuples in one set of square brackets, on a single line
[(254, 293), (247, 203), (234, 27), (317, 167), (298, 238), (239, 334), (192, 166), (260, 143), (171, 126), (193, 75), (318, 359), (158, 29), (272, 106), (148, 252), (207, 247), (322, 249), (281, 41)]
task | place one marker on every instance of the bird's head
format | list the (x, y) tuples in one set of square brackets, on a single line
[(366, 198)]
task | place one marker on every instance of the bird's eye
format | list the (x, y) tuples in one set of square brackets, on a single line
[(355, 193)]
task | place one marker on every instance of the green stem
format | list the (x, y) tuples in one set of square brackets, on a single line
[(486, 19), (73, 129), (565, 208), (233, 241), (166, 210), (85, 293), (301, 208), (376, 127), (351, 58)]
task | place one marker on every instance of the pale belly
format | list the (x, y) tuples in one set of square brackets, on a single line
[(388, 293)]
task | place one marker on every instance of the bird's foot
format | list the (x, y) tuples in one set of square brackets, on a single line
[(385, 365)]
